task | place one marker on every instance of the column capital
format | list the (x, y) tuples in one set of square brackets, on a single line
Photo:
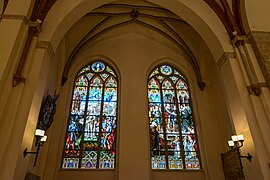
[(238, 40)]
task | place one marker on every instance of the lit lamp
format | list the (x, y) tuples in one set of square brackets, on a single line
[(40, 140), (237, 142)]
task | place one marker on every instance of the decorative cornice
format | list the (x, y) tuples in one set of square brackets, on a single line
[(16, 17), (224, 57), (46, 45)]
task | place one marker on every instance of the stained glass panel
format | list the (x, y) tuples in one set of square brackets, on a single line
[(79, 93), (87, 68), (154, 95), (94, 108), (154, 73), (107, 160), (168, 96), (95, 93), (109, 108), (167, 84), (108, 141), (91, 129), (110, 94), (153, 84), (98, 67), (154, 110), (108, 124), (111, 82), (158, 162), (171, 117), (81, 81), (96, 81), (175, 161), (70, 163), (167, 70), (183, 96), (89, 160)]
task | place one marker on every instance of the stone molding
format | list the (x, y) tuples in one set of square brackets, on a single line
[(46, 45), (15, 17), (224, 57)]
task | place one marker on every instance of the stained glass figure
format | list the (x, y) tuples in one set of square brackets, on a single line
[(173, 141), (91, 130)]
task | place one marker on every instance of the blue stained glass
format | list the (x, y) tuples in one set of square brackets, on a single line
[(192, 160), (190, 143), (166, 108), (153, 84), (81, 81), (107, 160), (167, 85), (181, 85), (70, 163), (154, 110), (79, 93), (110, 94), (172, 125), (185, 111), (174, 79), (109, 108), (154, 95), (167, 70), (104, 76), (168, 96), (108, 141), (78, 107), (94, 108), (89, 75), (98, 67), (91, 131), (95, 93), (96, 82), (108, 124), (183, 96), (158, 162), (89, 160), (111, 82), (155, 123), (188, 126)]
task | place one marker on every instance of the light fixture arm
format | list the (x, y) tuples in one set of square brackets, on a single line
[(249, 157)]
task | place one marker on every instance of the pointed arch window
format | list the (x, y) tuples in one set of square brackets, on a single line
[(90, 141), (173, 138)]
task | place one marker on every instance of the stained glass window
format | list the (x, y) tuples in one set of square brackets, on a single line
[(90, 141), (173, 139)]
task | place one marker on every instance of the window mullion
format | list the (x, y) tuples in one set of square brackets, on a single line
[(182, 152), (100, 125), (164, 126), (84, 120)]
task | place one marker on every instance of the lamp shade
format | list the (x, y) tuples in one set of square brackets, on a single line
[(235, 138), (240, 137), (39, 132), (43, 139), (231, 143)]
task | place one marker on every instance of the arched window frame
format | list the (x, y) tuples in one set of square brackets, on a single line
[(105, 123), (165, 153)]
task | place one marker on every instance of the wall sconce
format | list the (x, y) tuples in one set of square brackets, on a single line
[(40, 140), (237, 142)]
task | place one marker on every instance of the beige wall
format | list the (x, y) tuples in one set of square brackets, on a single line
[(224, 101)]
